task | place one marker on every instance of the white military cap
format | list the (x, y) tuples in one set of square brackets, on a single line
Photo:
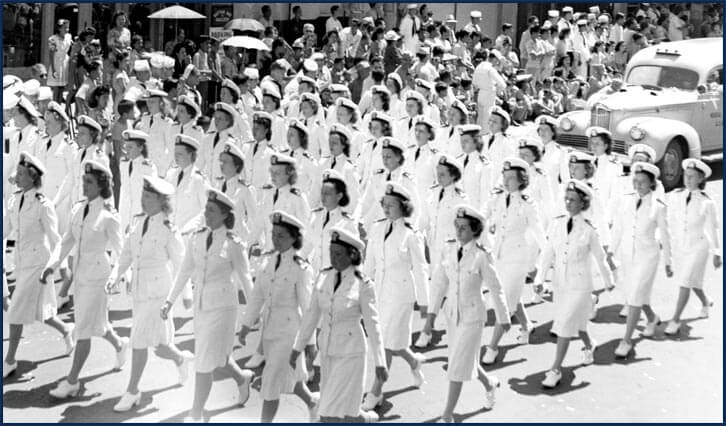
[(262, 115), (603, 19), (28, 106), (318, 56), (450, 19), (150, 93), (158, 185), (157, 61), (546, 119), (395, 77), (280, 217), (389, 142), (339, 88), (468, 128), (55, 107), (379, 88), (310, 65), (547, 25), (581, 187), (581, 157), (87, 121), (382, 117), (27, 160), (447, 160), (11, 81), (91, 166), (45, 93), (330, 174), (500, 112), (188, 141), (220, 197), (341, 130), (9, 100), (141, 65), (581, 22), (641, 148), (233, 150), (465, 211), (345, 102), (310, 97), (300, 126), (270, 90), (412, 94), (189, 101), (280, 159), (567, 9), (229, 109), (553, 13), (594, 10), (422, 119), (420, 82), (412, 6), (475, 14), (31, 87), (397, 190), (338, 235), (649, 168), (460, 106), (252, 73), (511, 163), (594, 131), (693, 163), (135, 135), (423, 50), (229, 84), (305, 79), (391, 36), (529, 142)]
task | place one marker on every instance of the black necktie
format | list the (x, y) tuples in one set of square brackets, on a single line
[(418, 153), (131, 166), (224, 186), (410, 123), (22, 200), (441, 194), (85, 211), (180, 177), (48, 144), (569, 226), (151, 122), (451, 132), (388, 177), (216, 140), (274, 198), (83, 155), (327, 218), (145, 227), (508, 199), (638, 203), (596, 162), (20, 139), (335, 160), (388, 232), (459, 254), (209, 240), (254, 151), (337, 282), (413, 28), (466, 160), (688, 199), (181, 129), (277, 262)]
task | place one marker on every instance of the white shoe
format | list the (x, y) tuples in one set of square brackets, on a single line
[(9, 369), (68, 339), (244, 388), (490, 355), (624, 312), (313, 411), (523, 338), (623, 349), (672, 327), (371, 401), (369, 416), (418, 376), (65, 389), (183, 368), (536, 299), (650, 327), (588, 354), (552, 379), (705, 310), (190, 419), (255, 361), (121, 355), (127, 402), (490, 396), (423, 340)]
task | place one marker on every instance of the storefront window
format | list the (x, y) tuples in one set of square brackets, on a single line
[(21, 34)]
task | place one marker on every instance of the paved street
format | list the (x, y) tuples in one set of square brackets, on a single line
[(668, 379)]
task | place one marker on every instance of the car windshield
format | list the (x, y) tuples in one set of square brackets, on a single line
[(665, 77)]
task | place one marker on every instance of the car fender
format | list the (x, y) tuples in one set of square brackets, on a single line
[(658, 132), (580, 118)]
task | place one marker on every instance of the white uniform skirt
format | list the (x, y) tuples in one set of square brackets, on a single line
[(639, 272), (31, 300), (512, 276), (277, 376), (91, 309), (690, 264), (214, 333), (464, 345), (572, 312), (396, 320), (341, 385), (148, 330)]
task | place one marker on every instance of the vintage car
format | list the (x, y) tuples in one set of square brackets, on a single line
[(671, 99)]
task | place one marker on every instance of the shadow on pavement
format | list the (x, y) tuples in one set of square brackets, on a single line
[(119, 315), (78, 413), (23, 373), (532, 385), (684, 334), (39, 397), (605, 353), (609, 315)]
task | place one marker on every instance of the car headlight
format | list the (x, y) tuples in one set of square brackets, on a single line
[(567, 124), (637, 134)]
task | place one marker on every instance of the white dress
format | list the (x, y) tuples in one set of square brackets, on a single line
[(132, 186), (59, 46)]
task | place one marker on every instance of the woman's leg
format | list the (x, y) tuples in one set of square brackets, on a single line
[(585, 336), (202, 387), (303, 392), (521, 315), (83, 348), (631, 322), (377, 387), (496, 337), (16, 331), (170, 352), (684, 294), (233, 370), (562, 344), (483, 377), (701, 296), (649, 313), (59, 325), (112, 337), (408, 356), (451, 399), (138, 363), (269, 409)]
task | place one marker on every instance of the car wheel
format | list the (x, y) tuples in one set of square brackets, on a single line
[(670, 165)]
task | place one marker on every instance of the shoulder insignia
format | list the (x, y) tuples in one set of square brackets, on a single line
[(295, 191), (613, 160), (705, 194), (483, 158), (451, 241), (267, 253), (137, 215), (18, 191), (560, 216), (234, 237), (434, 186), (40, 197), (108, 206), (460, 155), (300, 260), (200, 230), (526, 197), (220, 178), (199, 172), (380, 171), (497, 191), (412, 146), (146, 162), (589, 223), (406, 175), (661, 201), (409, 226), (267, 186), (319, 209), (241, 180), (680, 189), (434, 150), (380, 220), (361, 276), (482, 248), (347, 215), (539, 170)]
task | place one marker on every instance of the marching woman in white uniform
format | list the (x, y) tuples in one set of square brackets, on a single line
[(639, 153), (233, 185), (465, 273), (315, 122), (513, 218), (281, 296), (339, 140), (342, 297), (477, 179), (348, 115), (153, 249), (694, 221), (36, 224), (94, 229), (572, 244), (133, 169), (216, 261), (634, 242), (530, 150), (422, 156), (298, 139), (380, 125), (498, 145), (225, 120), (395, 258), (555, 158), (334, 198), (190, 185), (607, 169), (258, 151), (447, 138)]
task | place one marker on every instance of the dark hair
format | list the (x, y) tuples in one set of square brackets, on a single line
[(303, 137), (170, 84), (239, 163), (105, 183), (28, 117), (356, 257), (564, 33), (608, 140), (453, 171), (398, 152), (585, 199), (191, 151), (137, 39), (294, 233), (292, 174), (91, 66), (125, 106), (35, 175), (523, 178), (230, 219), (190, 111), (334, 8), (476, 227), (115, 17), (277, 101), (398, 86), (240, 79), (268, 127), (340, 188), (120, 56), (535, 151), (144, 147), (95, 97), (386, 98), (418, 102), (234, 95)]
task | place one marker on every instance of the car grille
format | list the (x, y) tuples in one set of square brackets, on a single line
[(580, 142), (600, 117)]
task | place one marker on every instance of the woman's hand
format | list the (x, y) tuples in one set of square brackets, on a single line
[(293, 358), (668, 271), (717, 261), (165, 310), (45, 274), (382, 374)]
